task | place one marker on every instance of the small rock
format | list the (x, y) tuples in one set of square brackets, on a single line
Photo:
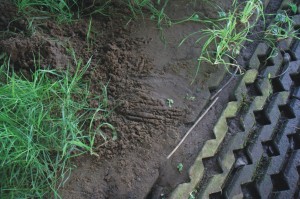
[(239, 163), (286, 58)]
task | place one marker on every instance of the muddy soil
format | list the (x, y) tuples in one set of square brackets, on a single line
[(142, 72)]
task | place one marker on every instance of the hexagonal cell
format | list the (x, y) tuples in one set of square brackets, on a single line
[(253, 90), (270, 148), (277, 85), (286, 111), (296, 79), (250, 190), (212, 165), (279, 182), (217, 195), (265, 61), (294, 141), (296, 93), (242, 158), (261, 117), (235, 125), (291, 53)]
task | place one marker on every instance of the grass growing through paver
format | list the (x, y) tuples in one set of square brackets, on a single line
[(223, 38), (281, 28), (44, 123)]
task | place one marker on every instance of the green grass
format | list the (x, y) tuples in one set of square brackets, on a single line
[(281, 28), (63, 11), (293, 7), (157, 12), (60, 10), (45, 121), (223, 38)]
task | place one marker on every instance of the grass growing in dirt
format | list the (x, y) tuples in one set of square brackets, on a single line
[(281, 28), (44, 122), (223, 38), (60, 10), (64, 11), (137, 8)]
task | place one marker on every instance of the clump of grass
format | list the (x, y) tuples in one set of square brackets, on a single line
[(63, 11), (44, 122), (60, 10), (282, 28), (158, 15), (251, 7), (223, 38)]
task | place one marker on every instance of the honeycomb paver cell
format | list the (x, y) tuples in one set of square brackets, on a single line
[(261, 51), (285, 79), (273, 69)]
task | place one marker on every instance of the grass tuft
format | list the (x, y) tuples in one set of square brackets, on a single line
[(224, 38), (63, 11), (45, 121), (281, 28), (157, 14), (60, 10)]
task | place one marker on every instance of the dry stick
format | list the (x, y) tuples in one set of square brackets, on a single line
[(189, 131), (231, 78)]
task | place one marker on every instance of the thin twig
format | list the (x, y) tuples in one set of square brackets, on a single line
[(220, 90), (190, 130)]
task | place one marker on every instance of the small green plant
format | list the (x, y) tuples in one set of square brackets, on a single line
[(293, 7), (180, 167), (44, 123), (282, 28), (170, 102), (192, 195), (158, 15), (251, 8), (190, 97)]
